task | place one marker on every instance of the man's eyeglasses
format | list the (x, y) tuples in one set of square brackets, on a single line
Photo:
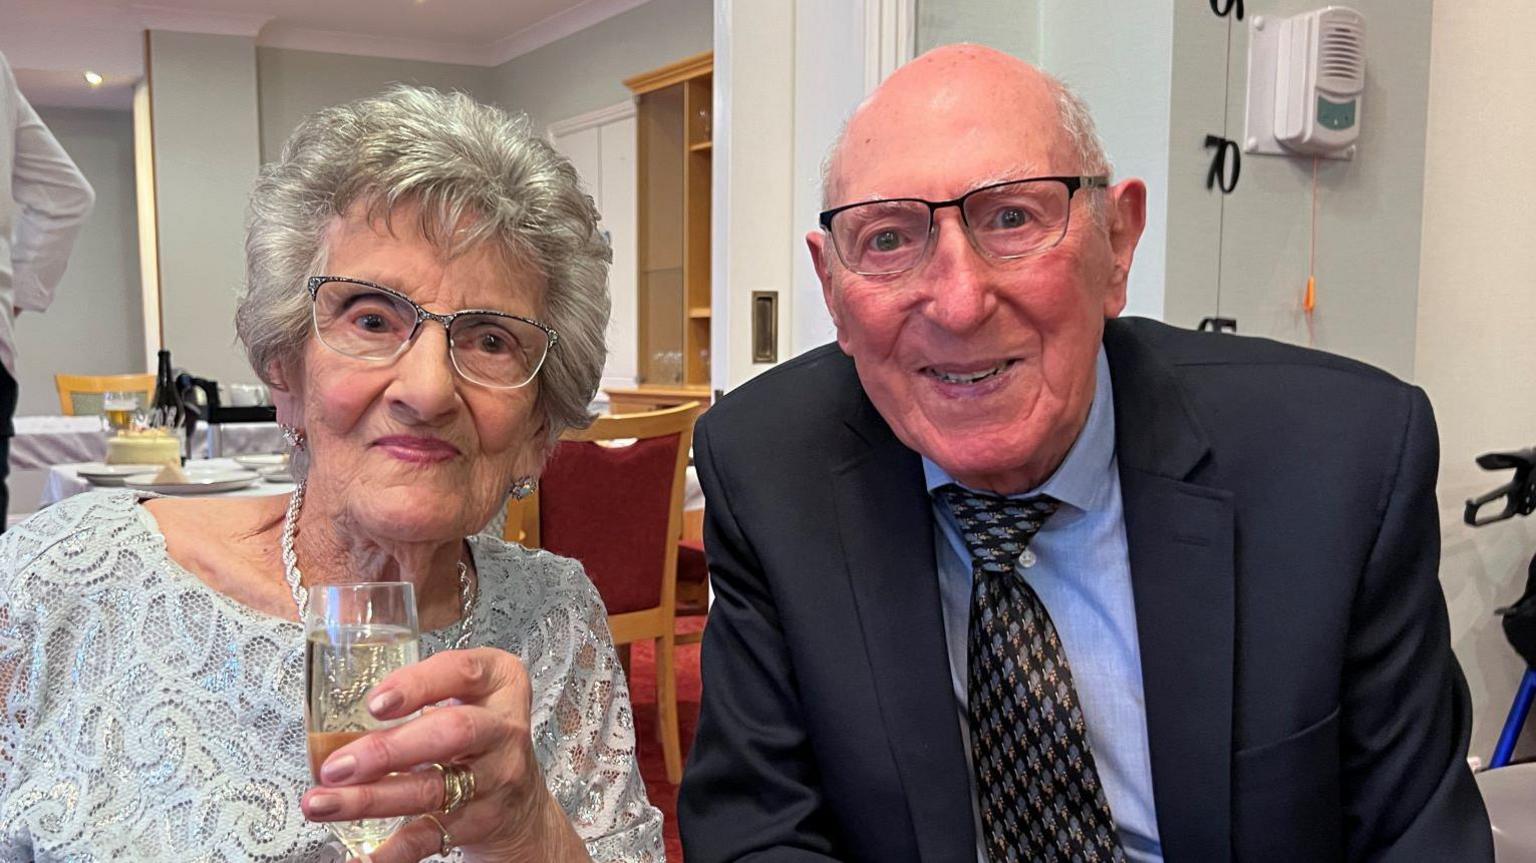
[(1013, 219), (371, 322)]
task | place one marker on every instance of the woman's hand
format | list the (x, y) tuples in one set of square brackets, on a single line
[(484, 727)]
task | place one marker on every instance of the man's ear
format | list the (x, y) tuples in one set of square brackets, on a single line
[(817, 242), (1126, 214)]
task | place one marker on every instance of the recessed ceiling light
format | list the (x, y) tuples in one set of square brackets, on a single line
[(92, 78)]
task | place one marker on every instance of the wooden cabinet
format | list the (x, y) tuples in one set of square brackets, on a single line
[(673, 161)]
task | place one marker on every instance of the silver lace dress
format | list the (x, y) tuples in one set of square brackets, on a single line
[(148, 717)]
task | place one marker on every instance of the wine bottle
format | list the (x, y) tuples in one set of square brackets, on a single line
[(166, 409)]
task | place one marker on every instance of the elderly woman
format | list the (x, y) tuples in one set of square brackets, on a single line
[(427, 297)]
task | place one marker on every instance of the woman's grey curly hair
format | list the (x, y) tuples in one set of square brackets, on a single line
[(478, 174)]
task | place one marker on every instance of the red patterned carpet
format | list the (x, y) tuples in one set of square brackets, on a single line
[(642, 688)]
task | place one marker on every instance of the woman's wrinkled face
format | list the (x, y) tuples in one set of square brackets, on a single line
[(407, 448)]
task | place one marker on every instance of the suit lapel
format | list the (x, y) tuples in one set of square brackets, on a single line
[(886, 525), (1180, 537)]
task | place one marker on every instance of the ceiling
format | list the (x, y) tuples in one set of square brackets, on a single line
[(50, 43)]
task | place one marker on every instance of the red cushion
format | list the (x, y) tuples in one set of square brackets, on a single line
[(607, 507)]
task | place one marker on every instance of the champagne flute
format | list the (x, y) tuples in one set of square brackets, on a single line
[(355, 634)]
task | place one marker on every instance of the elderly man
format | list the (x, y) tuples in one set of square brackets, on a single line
[(1001, 577)]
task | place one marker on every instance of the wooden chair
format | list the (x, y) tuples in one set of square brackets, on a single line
[(692, 591), (619, 510), (80, 395)]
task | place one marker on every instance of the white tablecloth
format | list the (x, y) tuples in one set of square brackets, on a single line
[(64, 481), (44, 441)]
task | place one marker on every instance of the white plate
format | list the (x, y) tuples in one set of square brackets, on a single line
[(257, 461), (98, 473), (204, 482), (276, 474)]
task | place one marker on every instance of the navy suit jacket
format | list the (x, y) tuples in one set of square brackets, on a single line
[(1302, 700)]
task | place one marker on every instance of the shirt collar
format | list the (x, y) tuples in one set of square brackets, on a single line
[(1081, 480)]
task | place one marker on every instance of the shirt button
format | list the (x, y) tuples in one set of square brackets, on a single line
[(1028, 558)]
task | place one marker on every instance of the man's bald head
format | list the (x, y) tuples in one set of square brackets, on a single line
[(923, 89), (982, 361)]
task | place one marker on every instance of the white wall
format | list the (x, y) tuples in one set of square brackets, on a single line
[(294, 83), (1192, 262), (93, 325), (1007, 25), (1118, 57), (586, 70), (1476, 314)]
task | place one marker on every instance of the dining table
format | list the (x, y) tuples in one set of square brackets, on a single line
[(64, 480)]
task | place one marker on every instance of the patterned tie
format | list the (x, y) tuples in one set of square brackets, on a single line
[(1039, 791)]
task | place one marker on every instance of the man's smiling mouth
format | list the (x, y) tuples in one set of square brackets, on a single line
[(968, 377)]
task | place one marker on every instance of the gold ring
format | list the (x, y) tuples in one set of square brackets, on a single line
[(458, 786), (447, 837)]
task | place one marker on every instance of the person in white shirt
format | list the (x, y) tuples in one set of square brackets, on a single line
[(44, 200)]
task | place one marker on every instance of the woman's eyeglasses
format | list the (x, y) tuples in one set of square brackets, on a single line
[(371, 322)]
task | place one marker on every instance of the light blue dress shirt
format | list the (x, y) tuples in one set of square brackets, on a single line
[(1083, 575)]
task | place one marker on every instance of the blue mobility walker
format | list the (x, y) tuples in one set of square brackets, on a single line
[(1518, 497)]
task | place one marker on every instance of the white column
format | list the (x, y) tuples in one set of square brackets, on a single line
[(753, 188), (202, 93)]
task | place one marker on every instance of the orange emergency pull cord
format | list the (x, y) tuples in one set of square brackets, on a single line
[(1309, 300)]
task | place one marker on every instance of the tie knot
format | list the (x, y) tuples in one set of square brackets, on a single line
[(995, 529)]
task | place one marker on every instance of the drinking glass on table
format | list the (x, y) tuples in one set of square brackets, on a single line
[(119, 409), (355, 634)]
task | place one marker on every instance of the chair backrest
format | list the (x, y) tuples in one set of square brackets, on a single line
[(618, 508), (81, 395)]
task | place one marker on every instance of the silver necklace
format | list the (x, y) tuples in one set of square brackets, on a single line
[(301, 595)]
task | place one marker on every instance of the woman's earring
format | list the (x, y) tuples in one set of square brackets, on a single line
[(522, 487), (293, 435)]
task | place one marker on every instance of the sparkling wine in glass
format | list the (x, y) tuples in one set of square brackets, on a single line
[(355, 635)]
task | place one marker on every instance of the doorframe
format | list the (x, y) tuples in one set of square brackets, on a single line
[(890, 36)]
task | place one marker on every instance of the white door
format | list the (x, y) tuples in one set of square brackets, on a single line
[(601, 146)]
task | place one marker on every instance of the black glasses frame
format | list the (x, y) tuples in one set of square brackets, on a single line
[(1073, 184), (422, 315)]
